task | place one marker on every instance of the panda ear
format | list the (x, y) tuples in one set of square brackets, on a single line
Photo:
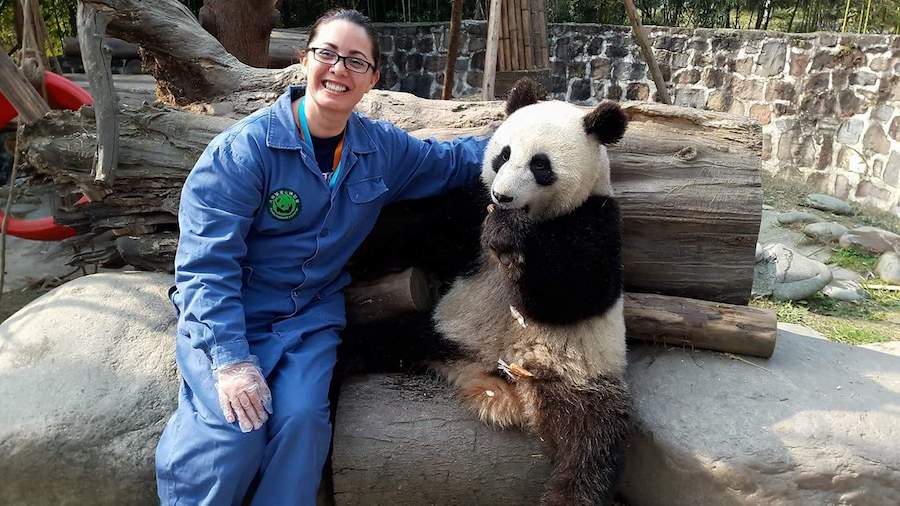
[(524, 92), (607, 122)]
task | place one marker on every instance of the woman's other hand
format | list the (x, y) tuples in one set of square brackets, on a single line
[(244, 394)]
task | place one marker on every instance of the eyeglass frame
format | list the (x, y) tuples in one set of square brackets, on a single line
[(341, 58)]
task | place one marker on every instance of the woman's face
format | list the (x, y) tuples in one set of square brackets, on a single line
[(347, 88)]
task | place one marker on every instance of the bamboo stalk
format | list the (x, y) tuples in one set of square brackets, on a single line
[(490, 57), (647, 52)]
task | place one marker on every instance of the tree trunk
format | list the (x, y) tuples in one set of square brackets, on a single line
[(687, 181), (242, 26)]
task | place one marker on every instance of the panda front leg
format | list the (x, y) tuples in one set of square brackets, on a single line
[(587, 429), (503, 234), (494, 400)]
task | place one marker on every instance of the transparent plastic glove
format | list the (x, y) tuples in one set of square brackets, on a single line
[(244, 394)]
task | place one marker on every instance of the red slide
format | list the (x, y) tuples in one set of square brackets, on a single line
[(63, 94)]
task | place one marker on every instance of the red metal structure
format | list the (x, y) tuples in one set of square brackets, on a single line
[(62, 94)]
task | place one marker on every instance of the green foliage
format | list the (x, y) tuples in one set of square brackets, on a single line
[(875, 319), (59, 16), (854, 260)]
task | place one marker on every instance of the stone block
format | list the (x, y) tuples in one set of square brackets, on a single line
[(850, 58), (388, 79), (748, 89), (780, 90), (840, 78), (744, 66), (403, 42), (425, 44), (476, 60), (637, 91), (783, 109), (580, 90), (771, 58), (418, 84), (737, 107), (699, 59), (850, 131), (476, 44), (730, 43), (799, 62), (828, 39), (826, 153), (668, 43), (819, 105), (816, 82), (718, 101), (577, 69), (850, 103), (698, 44), (616, 51), (841, 187), (435, 63), (690, 98), (595, 46), (875, 141), (823, 60), (878, 64), (867, 189), (386, 43), (680, 60), (882, 113), (863, 78), (761, 113), (894, 130), (712, 78), (766, 146), (600, 68), (414, 62), (687, 76), (475, 78), (614, 92)]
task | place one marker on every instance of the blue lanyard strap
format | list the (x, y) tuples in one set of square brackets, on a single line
[(301, 114)]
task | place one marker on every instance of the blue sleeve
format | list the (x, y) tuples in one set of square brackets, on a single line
[(218, 202), (426, 168)]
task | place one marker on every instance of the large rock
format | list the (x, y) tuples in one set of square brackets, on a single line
[(825, 232), (795, 276), (818, 423), (841, 289), (871, 240), (794, 217), (888, 267), (827, 203), (88, 380)]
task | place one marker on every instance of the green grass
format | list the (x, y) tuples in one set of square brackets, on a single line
[(874, 320), (854, 260)]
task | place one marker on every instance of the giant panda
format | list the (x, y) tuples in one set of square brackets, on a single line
[(545, 299)]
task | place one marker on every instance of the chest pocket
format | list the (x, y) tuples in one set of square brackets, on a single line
[(365, 190)]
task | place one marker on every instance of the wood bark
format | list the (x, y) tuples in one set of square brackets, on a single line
[(453, 49), (687, 181), (242, 26), (490, 56), (91, 29), (16, 88), (396, 436)]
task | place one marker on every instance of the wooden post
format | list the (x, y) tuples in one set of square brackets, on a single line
[(91, 30), (647, 52), (19, 91), (490, 56), (452, 50)]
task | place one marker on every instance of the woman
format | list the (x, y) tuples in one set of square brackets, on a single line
[(269, 216)]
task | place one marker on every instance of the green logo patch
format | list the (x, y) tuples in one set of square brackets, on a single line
[(284, 204)]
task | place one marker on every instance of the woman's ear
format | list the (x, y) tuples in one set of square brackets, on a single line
[(376, 76)]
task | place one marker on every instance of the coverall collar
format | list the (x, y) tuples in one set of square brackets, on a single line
[(282, 132)]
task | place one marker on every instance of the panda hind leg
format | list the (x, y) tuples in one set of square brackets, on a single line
[(494, 400), (587, 445)]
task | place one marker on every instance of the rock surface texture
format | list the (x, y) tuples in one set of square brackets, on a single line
[(827, 203), (818, 423), (88, 381)]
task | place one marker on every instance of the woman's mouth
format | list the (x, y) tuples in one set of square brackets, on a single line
[(334, 87)]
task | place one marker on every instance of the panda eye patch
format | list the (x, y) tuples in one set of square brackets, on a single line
[(542, 170), (500, 159)]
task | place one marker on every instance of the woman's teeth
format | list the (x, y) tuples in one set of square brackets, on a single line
[(337, 88)]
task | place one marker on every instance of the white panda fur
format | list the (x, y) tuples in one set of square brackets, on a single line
[(577, 361)]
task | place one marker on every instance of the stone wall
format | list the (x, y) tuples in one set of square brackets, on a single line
[(829, 103)]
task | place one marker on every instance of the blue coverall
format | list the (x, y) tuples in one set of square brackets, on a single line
[(260, 270)]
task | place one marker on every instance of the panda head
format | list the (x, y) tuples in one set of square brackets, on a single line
[(549, 157)]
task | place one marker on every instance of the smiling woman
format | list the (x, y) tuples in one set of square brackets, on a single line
[(268, 218)]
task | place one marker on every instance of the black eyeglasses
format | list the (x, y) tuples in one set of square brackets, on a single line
[(329, 57)]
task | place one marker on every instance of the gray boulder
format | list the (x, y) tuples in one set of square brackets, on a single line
[(796, 277), (888, 267), (826, 232), (815, 424), (845, 274), (827, 203), (794, 217), (844, 290), (871, 240), (88, 381)]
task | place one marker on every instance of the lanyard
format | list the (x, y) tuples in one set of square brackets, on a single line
[(336, 164)]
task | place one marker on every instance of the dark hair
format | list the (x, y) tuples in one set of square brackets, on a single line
[(355, 17)]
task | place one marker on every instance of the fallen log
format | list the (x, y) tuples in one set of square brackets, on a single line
[(397, 436), (687, 181)]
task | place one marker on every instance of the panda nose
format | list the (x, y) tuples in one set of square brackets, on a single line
[(503, 199)]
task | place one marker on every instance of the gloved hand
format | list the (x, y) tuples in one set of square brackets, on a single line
[(243, 392)]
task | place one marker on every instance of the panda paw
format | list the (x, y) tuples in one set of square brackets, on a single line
[(503, 235), (494, 400)]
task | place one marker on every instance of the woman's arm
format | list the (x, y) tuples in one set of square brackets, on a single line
[(426, 168), (218, 202)]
